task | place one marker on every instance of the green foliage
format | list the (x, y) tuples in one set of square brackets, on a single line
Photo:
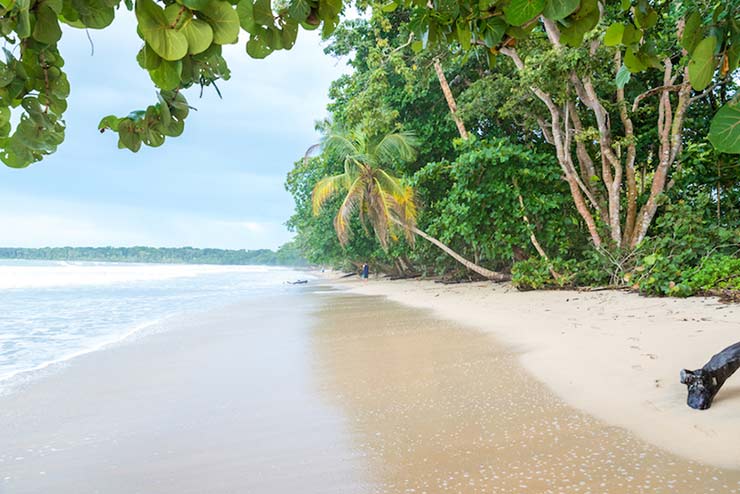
[(183, 40), (286, 255), (687, 254), (724, 132), (316, 239), (717, 273), (480, 214), (182, 48), (535, 274), (370, 191)]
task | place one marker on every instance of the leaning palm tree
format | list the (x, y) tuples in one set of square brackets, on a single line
[(380, 198)]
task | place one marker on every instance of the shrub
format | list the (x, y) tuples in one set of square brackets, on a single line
[(686, 255)]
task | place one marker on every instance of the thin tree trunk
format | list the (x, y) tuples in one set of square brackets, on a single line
[(719, 193), (464, 134), (450, 99), (533, 237), (486, 273)]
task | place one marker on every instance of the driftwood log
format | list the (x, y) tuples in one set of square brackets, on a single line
[(704, 383)]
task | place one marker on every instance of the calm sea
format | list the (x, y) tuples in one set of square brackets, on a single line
[(51, 312)]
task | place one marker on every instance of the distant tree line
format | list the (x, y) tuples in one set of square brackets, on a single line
[(286, 255)]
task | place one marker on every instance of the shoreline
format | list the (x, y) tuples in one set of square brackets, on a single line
[(319, 391), (613, 355)]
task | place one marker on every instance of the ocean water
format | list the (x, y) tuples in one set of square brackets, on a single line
[(51, 311)]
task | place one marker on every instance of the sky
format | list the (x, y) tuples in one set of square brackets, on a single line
[(218, 185)]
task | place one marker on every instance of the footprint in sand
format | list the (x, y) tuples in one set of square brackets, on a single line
[(707, 432)]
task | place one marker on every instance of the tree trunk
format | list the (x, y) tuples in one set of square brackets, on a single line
[(486, 273), (533, 237), (450, 99)]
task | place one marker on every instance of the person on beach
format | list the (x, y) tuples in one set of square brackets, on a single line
[(365, 271)]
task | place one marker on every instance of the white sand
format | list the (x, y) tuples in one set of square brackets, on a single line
[(615, 355)]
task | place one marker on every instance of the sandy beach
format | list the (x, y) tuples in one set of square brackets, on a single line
[(321, 391), (614, 355)]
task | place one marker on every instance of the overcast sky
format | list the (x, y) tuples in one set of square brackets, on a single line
[(220, 184)]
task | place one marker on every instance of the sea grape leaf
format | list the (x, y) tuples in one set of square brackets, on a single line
[(559, 9), (692, 32), (645, 19), (724, 131), (147, 58), (517, 12), (494, 31), (464, 34), (46, 30), (329, 9), (167, 75), (289, 34), (23, 27), (613, 35), (245, 11), (262, 12), (299, 9), (580, 23), (631, 35), (330, 25), (623, 76), (94, 14), (109, 122), (166, 42), (127, 135), (702, 63), (258, 47), (223, 20), (199, 35), (194, 4), (633, 61), (176, 15)]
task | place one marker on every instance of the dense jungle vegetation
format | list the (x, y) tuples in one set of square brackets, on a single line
[(557, 162)]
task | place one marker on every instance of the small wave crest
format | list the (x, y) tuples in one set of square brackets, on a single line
[(10, 379), (64, 273)]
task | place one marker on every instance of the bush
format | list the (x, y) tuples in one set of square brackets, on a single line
[(717, 273), (686, 255)]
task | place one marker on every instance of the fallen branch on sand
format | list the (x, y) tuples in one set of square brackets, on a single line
[(704, 383)]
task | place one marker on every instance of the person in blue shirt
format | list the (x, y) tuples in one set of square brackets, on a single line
[(365, 271)]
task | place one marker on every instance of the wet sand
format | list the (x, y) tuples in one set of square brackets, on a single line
[(319, 392), (614, 355)]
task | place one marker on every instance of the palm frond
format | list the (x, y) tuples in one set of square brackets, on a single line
[(407, 212), (400, 146), (385, 207), (389, 183), (311, 151), (339, 145), (352, 201), (325, 188)]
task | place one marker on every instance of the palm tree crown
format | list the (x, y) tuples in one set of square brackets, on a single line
[(377, 195)]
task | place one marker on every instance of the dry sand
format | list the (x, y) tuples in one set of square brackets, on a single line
[(614, 355)]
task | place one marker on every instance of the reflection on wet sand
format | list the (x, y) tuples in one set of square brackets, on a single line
[(437, 408)]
